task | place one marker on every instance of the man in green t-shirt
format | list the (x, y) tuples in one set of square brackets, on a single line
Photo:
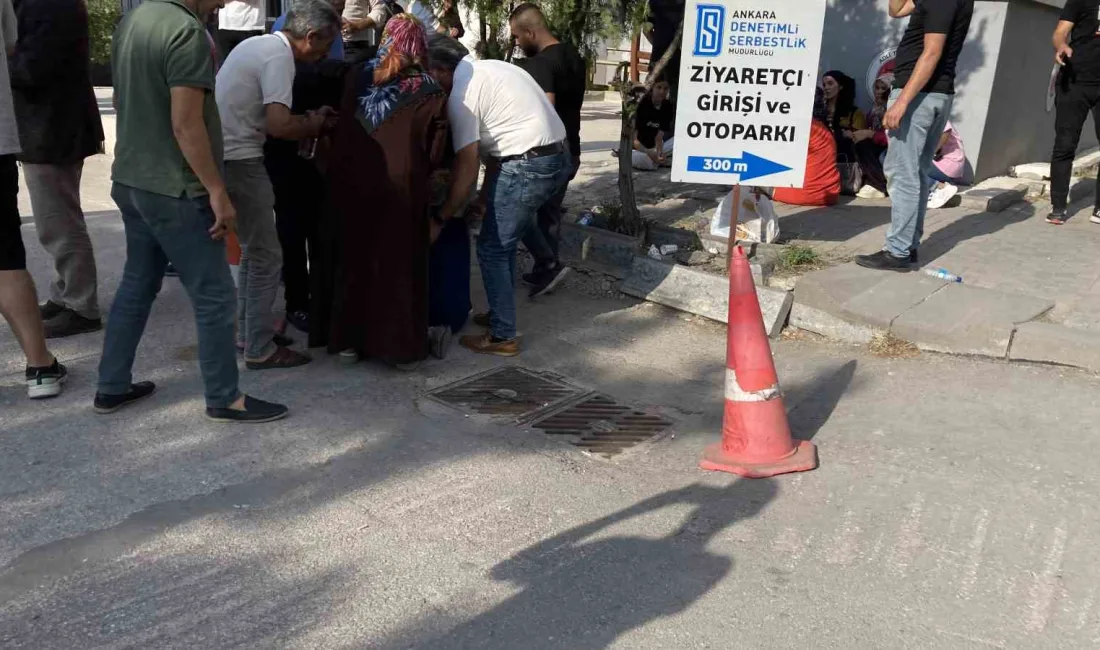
[(175, 207)]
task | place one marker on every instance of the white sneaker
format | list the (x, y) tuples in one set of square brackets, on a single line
[(939, 197), (1095, 218), (869, 192), (46, 382)]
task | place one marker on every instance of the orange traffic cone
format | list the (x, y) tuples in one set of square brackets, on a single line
[(756, 440)]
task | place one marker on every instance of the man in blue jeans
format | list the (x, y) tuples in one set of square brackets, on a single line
[(920, 104), (174, 203), (498, 112)]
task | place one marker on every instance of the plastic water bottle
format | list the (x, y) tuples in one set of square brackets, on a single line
[(943, 274)]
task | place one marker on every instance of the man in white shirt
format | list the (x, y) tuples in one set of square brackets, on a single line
[(363, 21), (254, 95), (239, 20), (498, 112), (18, 299)]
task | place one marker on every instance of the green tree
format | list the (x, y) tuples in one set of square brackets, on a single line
[(103, 16)]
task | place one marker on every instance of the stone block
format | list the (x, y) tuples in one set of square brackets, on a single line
[(700, 293), (821, 322), (602, 249), (1032, 171), (1050, 343), (959, 319), (992, 199), (881, 304)]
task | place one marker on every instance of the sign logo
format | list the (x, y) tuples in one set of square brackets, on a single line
[(709, 25)]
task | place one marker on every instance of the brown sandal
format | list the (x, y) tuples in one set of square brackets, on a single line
[(282, 358)]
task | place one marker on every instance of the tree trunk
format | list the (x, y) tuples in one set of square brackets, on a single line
[(632, 223)]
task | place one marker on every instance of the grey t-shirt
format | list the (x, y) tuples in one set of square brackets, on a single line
[(9, 130)]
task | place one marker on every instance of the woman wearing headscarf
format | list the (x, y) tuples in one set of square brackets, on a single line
[(822, 184), (870, 143), (391, 137), (844, 118)]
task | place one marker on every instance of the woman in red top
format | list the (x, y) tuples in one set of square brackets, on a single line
[(822, 184)]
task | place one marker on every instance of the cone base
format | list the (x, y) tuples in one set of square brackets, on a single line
[(803, 459)]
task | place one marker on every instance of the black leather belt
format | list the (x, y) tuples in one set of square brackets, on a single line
[(537, 152)]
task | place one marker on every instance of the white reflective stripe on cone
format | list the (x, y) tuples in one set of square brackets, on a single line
[(735, 394)]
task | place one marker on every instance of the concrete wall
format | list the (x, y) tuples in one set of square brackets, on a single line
[(856, 31), (1019, 128)]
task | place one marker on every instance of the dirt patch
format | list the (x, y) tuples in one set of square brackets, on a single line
[(891, 347)]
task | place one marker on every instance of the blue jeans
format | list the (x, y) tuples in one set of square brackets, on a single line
[(909, 161), (516, 192), (543, 241), (160, 229)]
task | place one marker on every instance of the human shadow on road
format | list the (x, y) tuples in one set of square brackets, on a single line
[(581, 593)]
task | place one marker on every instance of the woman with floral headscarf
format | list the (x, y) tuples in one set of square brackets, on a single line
[(392, 136)]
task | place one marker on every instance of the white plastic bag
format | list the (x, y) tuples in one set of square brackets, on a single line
[(757, 221)]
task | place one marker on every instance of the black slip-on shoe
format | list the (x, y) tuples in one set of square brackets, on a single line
[(256, 411), (884, 261), (105, 404)]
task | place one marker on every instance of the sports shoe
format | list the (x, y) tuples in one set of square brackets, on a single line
[(282, 358), (105, 404), (884, 261), (1095, 218), (1058, 217), (170, 271), (46, 381), (439, 341), (348, 358), (299, 319), (256, 411), (50, 309), (939, 197), (486, 344), (70, 323), (869, 192), (549, 281)]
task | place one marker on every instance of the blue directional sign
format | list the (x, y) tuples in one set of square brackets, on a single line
[(747, 167)]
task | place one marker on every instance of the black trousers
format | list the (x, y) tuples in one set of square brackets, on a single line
[(13, 256), (299, 196), (358, 51), (1074, 103), (227, 40)]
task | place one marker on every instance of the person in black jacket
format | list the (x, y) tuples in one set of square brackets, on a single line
[(59, 126)]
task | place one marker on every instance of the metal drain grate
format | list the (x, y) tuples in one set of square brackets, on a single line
[(603, 426), (509, 391)]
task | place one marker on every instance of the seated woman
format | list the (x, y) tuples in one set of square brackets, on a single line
[(871, 143), (391, 137), (822, 184), (948, 170), (653, 129), (844, 119)]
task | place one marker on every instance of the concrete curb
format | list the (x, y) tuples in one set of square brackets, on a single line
[(599, 249), (854, 304), (982, 199), (700, 293)]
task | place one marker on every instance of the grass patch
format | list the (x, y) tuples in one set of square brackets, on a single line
[(889, 346), (796, 256)]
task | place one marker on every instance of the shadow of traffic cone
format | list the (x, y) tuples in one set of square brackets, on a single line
[(756, 440)]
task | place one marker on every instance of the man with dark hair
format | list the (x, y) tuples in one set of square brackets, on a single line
[(254, 95), (920, 105), (1077, 50), (560, 71), (59, 126), (499, 113), (175, 206)]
